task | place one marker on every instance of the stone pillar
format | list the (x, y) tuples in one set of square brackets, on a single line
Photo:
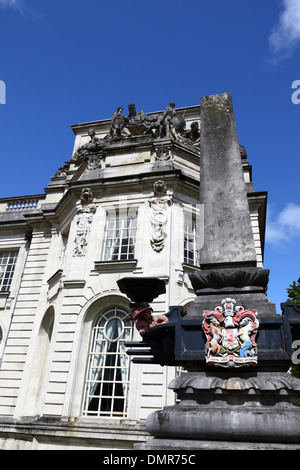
[(227, 257), (228, 237), (229, 404), (229, 411)]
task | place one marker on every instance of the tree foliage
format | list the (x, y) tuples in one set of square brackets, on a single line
[(294, 292)]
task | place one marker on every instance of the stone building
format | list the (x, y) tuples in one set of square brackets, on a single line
[(125, 204)]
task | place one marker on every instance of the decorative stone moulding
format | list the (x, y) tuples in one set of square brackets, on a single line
[(163, 151), (246, 279), (230, 408), (159, 215), (85, 212)]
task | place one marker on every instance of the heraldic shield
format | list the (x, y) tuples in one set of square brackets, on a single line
[(230, 335)]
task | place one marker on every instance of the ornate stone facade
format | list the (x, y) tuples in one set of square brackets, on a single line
[(115, 209)]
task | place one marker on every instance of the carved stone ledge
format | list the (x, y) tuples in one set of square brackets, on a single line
[(230, 408), (115, 266), (254, 279), (246, 382), (73, 284)]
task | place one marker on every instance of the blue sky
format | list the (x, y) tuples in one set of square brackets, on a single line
[(68, 61)]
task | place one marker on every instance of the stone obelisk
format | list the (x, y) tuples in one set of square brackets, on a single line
[(227, 257), (228, 237), (233, 406)]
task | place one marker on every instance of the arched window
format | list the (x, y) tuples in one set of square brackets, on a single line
[(108, 372), (1, 341), (35, 391)]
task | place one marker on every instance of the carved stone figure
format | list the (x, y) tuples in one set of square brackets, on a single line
[(160, 188), (85, 212), (164, 125), (145, 320), (164, 122), (62, 171), (86, 196), (138, 123), (192, 135), (230, 332), (141, 314), (118, 125), (92, 148)]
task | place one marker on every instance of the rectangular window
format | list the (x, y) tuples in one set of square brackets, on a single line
[(191, 241), (120, 237), (8, 261)]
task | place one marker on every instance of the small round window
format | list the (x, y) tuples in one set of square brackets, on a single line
[(113, 329)]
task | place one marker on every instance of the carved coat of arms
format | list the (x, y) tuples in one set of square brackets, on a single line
[(230, 333)]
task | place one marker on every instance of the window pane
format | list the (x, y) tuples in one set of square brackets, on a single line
[(120, 238), (191, 241), (7, 266)]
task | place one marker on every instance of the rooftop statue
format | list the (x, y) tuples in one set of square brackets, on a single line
[(167, 124), (165, 121), (139, 122), (93, 147), (191, 136), (118, 125)]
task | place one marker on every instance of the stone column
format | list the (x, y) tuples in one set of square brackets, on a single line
[(228, 411), (227, 257), (227, 405), (228, 237)]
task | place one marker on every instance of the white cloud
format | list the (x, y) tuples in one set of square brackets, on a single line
[(21, 7), (15, 4), (290, 217), (286, 33), (284, 227)]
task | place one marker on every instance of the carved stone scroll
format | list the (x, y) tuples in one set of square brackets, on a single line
[(163, 152), (85, 212), (159, 216)]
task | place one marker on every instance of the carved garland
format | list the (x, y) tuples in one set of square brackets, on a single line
[(159, 215), (85, 212)]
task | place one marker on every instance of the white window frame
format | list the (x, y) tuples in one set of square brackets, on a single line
[(108, 373), (120, 237), (191, 240), (8, 269)]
